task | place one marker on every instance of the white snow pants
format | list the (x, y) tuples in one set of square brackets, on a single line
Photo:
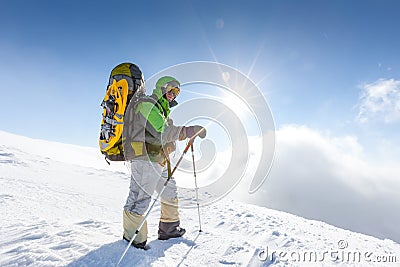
[(147, 177)]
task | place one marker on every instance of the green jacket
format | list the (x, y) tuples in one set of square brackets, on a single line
[(147, 128)]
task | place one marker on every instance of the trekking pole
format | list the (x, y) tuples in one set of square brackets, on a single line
[(170, 173), (197, 188)]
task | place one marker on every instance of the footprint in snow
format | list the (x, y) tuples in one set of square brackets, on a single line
[(6, 197)]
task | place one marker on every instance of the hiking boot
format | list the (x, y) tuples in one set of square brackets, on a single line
[(141, 245), (167, 230)]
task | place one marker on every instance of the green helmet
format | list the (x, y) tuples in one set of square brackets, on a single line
[(163, 81)]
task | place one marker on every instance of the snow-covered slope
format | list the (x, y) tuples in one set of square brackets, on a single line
[(61, 205)]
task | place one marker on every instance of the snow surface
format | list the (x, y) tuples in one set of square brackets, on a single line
[(61, 205)]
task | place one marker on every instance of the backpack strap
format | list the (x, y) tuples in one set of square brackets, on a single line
[(154, 100), (159, 105)]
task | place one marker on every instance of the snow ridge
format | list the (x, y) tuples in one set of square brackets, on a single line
[(62, 212)]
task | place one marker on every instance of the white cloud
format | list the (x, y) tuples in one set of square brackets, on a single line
[(380, 101), (318, 176)]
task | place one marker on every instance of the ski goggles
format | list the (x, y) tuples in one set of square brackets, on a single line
[(172, 88)]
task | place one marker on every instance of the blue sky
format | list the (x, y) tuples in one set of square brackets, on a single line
[(309, 58), (328, 69)]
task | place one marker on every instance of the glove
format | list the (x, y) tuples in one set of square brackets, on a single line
[(193, 130)]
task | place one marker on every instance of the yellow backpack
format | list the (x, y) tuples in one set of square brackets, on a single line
[(126, 83)]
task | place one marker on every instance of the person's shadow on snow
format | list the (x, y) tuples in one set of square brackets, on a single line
[(109, 254)]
